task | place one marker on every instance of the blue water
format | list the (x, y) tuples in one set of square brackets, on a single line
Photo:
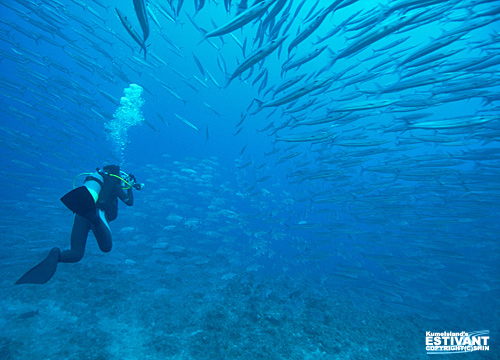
[(246, 243)]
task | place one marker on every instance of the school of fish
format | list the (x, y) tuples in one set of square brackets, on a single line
[(348, 94)]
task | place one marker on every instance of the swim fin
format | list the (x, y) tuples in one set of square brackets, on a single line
[(80, 201), (42, 272)]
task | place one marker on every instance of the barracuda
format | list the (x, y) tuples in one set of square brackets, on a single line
[(257, 56), (142, 15), (453, 122), (131, 30), (303, 90), (242, 19)]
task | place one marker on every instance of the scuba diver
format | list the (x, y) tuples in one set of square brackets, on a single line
[(95, 204)]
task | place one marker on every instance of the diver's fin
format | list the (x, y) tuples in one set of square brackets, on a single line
[(42, 273), (79, 201)]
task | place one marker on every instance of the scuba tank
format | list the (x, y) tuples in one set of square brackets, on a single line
[(82, 200), (94, 183)]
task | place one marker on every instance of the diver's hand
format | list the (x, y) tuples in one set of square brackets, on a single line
[(133, 182), (138, 186)]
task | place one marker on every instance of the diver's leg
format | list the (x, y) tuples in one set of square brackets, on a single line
[(79, 233), (102, 233), (42, 272)]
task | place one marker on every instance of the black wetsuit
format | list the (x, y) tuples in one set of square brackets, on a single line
[(107, 201)]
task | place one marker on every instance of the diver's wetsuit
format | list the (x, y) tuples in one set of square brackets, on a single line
[(107, 205), (105, 187)]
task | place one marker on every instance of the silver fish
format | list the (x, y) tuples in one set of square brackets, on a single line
[(131, 30), (142, 15), (257, 56), (242, 19)]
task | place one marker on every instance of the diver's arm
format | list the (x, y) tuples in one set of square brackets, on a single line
[(128, 197)]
